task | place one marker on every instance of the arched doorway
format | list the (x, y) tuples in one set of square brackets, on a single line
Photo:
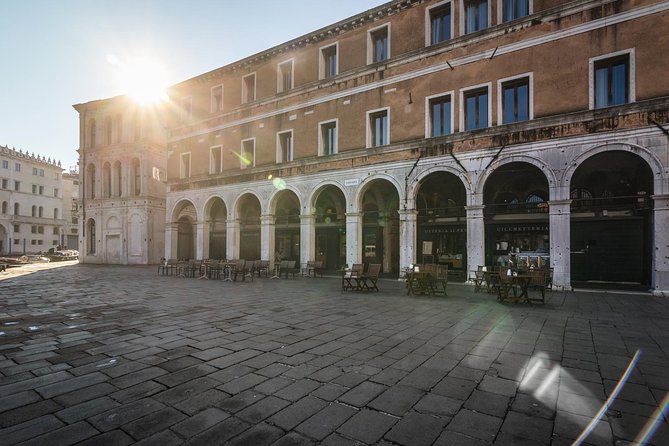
[(380, 225), (287, 226), (330, 211), (611, 232), (248, 212), (185, 218), (516, 217), (442, 221), (218, 220)]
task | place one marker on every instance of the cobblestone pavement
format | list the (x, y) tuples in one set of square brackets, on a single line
[(116, 355)]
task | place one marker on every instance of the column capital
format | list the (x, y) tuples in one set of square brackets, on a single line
[(406, 213), (353, 215), (559, 202), (307, 218), (661, 202), (474, 211), (267, 219)]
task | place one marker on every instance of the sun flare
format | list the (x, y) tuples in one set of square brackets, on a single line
[(142, 78)]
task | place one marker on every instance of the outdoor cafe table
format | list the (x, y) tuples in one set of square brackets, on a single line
[(512, 284), (419, 283)]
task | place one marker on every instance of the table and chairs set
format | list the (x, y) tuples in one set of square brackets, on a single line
[(426, 279), (512, 284), (357, 278)]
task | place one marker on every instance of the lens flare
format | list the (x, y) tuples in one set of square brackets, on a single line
[(141, 77), (654, 422), (247, 162), (279, 183)]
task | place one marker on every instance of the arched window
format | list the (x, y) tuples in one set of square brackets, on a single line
[(108, 130), (41, 211), (117, 179), (136, 177), (33, 212), (91, 236), (119, 128), (4, 207), (92, 133), (16, 209), (90, 183), (106, 180)]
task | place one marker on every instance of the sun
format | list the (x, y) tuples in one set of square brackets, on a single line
[(143, 78)]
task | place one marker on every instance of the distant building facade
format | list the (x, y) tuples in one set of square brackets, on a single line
[(71, 203), (121, 157), (31, 199)]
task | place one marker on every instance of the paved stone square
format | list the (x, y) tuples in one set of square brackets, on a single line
[(119, 355)]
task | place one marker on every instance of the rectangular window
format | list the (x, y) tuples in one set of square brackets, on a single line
[(55, 214), (217, 99), (17, 186), (17, 167), (378, 44), (248, 158), (440, 114), (56, 231), (40, 242), (216, 159), (41, 190), (515, 9), (329, 61), (476, 15), (440, 23), (186, 108), (515, 95), (249, 88), (285, 76), (327, 138), (55, 191), (35, 171), (33, 229), (284, 146), (476, 109), (41, 172), (5, 183), (5, 164), (55, 242), (378, 128), (612, 81), (33, 242), (184, 167), (34, 188), (17, 228), (17, 241)]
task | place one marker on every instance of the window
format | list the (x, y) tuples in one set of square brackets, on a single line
[(55, 192), (184, 167), (17, 186), (515, 9), (33, 212), (439, 21), (119, 128), (92, 133), (5, 207), (17, 228), (515, 95), (55, 242), (17, 167), (476, 15), (248, 155), (41, 190), (91, 236), (56, 231), (41, 211), (249, 88), (116, 180), (612, 79), (40, 242), (34, 188), (137, 177), (108, 130), (41, 172), (378, 44), (33, 242), (327, 138), (16, 209), (328, 61), (17, 241), (285, 76), (91, 179), (35, 171), (40, 229), (55, 214), (186, 108), (475, 108), (439, 115), (5, 183), (284, 146), (5, 164), (216, 159), (217, 99), (378, 128), (33, 229)]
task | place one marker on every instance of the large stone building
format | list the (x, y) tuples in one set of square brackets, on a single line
[(71, 202), (31, 196), (462, 132), (122, 195)]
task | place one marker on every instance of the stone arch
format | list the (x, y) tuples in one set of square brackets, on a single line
[(415, 184), (215, 213), (274, 198), (113, 223), (240, 196), (534, 161), (320, 187), (367, 182), (180, 205)]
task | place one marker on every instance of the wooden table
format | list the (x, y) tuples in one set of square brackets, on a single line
[(511, 284)]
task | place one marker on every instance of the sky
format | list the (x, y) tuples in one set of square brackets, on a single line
[(57, 53)]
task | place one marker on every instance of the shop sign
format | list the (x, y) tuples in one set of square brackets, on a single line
[(445, 230), (352, 182), (522, 228)]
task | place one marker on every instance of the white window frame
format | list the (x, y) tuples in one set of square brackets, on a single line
[(500, 105), (370, 43), (631, 52), (212, 108), (213, 169), (461, 121), (428, 112), (242, 153), (368, 127), (321, 145), (279, 75), (321, 60), (279, 149), (500, 10), (186, 115), (182, 165), (463, 14), (428, 21), (245, 92)]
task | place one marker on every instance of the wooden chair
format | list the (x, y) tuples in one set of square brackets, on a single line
[(350, 280), (504, 285), (313, 267), (288, 267), (263, 268), (368, 282), (538, 282), (239, 269)]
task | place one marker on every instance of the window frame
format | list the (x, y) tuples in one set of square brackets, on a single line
[(630, 53), (245, 93), (183, 167), (212, 100), (530, 96), (280, 148), (321, 144), (428, 112), (500, 11), (463, 17), (213, 169), (463, 91), (322, 61), (371, 46), (242, 152), (368, 132), (280, 75), (428, 22)]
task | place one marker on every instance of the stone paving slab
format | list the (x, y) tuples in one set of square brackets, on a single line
[(93, 354)]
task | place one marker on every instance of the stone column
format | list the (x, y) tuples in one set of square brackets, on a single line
[(199, 240), (267, 237), (232, 239), (206, 231), (560, 243), (353, 238), (307, 238), (171, 240), (475, 236), (408, 230), (660, 277)]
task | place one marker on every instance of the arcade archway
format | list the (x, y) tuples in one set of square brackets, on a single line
[(380, 225), (287, 226), (248, 212), (218, 219), (330, 210)]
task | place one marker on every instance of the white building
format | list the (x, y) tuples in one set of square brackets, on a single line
[(70, 231)]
